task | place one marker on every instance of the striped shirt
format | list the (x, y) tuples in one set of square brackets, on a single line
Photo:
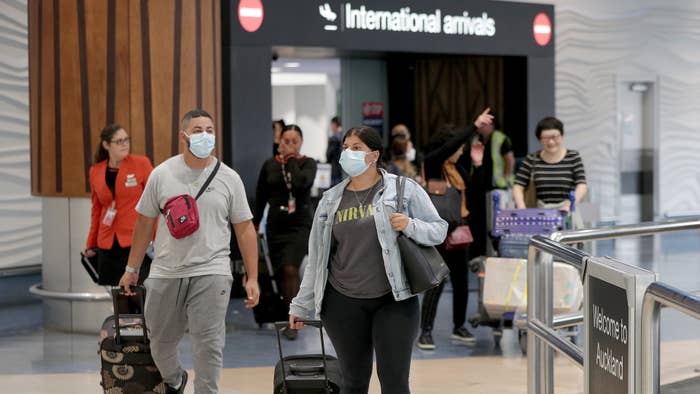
[(553, 181)]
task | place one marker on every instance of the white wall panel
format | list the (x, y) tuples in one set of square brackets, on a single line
[(599, 42), (20, 213)]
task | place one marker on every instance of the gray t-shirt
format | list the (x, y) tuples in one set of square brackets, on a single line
[(206, 251), (357, 267)]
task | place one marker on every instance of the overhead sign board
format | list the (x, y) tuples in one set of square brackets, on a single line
[(447, 26)]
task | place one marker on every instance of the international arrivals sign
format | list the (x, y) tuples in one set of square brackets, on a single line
[(407, 20), (438, 26)]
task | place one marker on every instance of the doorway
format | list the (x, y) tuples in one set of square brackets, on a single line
[(636, 126)]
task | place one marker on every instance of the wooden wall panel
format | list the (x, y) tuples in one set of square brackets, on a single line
[(140, 63), (455, 90), (34, 30)]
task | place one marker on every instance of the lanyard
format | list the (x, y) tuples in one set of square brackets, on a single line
[(287, 176)]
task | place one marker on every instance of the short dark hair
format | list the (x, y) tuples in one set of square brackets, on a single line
[(105, 136), (369, 137), (292, 127), (336, 120), (279, 122), (443, 134), (195, 113), (549, 123)]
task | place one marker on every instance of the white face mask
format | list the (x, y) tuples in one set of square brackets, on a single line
[(353, 162), (411, 154), (201, 144)]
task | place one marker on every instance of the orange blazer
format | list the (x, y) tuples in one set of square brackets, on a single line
[(128, 187)]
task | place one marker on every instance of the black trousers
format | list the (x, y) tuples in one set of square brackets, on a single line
[(457, 262), (357, 327), (111, 264)]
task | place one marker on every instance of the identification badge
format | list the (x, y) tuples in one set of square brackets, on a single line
[(109, 216), (131, 181), (291, 205)]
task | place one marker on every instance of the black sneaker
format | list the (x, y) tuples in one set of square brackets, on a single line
[(179, 390), (461, 334), (290, 334), (425, 341)]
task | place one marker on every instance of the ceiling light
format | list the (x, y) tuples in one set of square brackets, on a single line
[(275, 69), (292, 64)]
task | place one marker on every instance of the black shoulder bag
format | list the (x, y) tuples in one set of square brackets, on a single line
[(423, 265)]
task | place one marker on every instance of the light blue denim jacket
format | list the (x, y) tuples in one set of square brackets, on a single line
[(425, 227)]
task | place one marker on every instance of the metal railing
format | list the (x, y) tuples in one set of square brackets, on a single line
[(540, 316), (67, 296), (657, 295)]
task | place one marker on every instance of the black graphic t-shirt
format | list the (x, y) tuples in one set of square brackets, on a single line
[(357, 267)]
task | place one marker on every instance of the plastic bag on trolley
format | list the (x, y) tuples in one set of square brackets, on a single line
[(505, 291)]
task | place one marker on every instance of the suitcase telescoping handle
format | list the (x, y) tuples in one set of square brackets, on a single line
[(118, 292), (313, 323)]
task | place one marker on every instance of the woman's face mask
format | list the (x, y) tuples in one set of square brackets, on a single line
[(201, 144), (411, 154), (353, 162)]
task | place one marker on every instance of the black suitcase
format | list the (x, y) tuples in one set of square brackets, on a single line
[(307, 373), (127, 365), (271, 307)]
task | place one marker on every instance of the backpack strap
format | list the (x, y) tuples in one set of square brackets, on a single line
[(400, 183), (211, 177)]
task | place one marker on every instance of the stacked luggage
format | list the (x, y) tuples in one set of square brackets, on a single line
[(503, 278)]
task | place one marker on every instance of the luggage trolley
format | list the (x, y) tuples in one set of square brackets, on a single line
[(510, 238)]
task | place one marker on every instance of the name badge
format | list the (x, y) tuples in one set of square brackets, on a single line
[(131, 180)]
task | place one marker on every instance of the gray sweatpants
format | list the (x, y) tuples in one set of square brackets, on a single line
[(199, 304)]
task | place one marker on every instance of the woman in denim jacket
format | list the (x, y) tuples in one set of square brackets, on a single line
[(355, 279)]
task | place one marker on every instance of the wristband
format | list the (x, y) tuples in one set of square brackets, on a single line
[(131, 270)]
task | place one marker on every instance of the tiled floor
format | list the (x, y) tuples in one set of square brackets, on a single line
[(34, 360)]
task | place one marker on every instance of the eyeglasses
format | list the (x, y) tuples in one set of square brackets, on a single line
[(550, 138), (121, 141)]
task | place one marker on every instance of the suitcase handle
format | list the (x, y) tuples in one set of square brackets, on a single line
[(295, 368), (305, 369), (140, 292)]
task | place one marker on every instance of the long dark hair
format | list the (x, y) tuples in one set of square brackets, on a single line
[(370, 137), (292, 127), (106, 135)]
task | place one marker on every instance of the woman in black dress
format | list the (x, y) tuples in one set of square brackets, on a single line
[(285, 184)]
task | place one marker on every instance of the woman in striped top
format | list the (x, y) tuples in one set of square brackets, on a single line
[(554, 169)]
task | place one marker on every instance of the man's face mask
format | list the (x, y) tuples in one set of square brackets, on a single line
[(201, 144)]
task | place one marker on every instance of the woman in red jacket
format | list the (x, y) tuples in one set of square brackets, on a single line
[(117, 179)]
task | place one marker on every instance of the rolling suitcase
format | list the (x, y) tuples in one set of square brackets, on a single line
[(271, 307), (127, 365), (308, 373)]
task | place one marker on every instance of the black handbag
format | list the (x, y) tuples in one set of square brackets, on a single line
[(447, 201), (423, 265)]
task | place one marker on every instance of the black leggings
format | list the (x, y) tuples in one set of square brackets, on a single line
[(358, 326), (457, 262)]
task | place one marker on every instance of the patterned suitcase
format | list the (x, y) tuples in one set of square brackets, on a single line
[(127, 365)]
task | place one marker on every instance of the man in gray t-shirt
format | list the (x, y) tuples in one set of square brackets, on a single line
[(190, 279)]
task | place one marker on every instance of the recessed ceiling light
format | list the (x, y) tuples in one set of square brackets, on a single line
[(275, 69), (292, 64)]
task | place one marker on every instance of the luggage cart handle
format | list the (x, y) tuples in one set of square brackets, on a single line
[(313, 323)]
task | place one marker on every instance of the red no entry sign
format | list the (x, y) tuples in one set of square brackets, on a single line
[(250, 14), (542, 29)]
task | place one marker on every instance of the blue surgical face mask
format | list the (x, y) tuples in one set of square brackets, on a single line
[(353, 162), (201, 144)]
